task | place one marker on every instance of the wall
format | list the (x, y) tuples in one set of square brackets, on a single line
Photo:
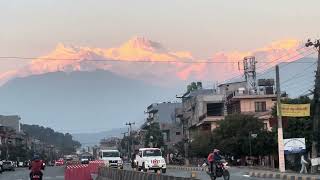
[(116, 174), (248, 105)]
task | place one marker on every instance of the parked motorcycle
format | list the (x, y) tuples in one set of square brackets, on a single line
[(221, 171)]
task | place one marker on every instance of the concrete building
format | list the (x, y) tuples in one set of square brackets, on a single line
[(11, 121), (164, 114), (258, 104), (201, 110)]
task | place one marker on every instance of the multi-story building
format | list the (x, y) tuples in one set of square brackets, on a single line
[(201, 110), (170, 126), (241, 100)]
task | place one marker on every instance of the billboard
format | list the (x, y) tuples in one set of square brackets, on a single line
[(294, 145), (295, 110)]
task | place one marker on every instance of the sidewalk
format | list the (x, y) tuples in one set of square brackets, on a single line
[(277, 175)]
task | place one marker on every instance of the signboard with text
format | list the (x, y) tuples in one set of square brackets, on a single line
[(295, 110), (294, 145)]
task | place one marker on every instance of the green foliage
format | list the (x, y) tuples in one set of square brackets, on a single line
[(201, 144), (232, 136), (62, 141), (300, 127), (154, 136), (194, 86)]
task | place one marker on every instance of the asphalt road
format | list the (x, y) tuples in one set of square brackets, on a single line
[(235, 174), (50, 173)]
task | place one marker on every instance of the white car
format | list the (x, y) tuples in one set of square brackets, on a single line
[(111, 158), (150, 159)]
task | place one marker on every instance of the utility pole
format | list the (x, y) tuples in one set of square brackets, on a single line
[(130, 138), (282, 166), (316, 107), (124, 136)]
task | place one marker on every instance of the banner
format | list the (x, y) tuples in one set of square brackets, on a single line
[(294, 145), (295, 110)]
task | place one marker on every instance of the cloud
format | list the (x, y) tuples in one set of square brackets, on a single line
[(74, 58)]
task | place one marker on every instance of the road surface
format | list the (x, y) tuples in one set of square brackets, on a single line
[(51, 173), (57, 173), (235, 173)]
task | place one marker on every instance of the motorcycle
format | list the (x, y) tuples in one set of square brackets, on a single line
[(35, 176), (221, 171)]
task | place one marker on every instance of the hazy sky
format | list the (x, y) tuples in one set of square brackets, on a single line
[(203, 27)]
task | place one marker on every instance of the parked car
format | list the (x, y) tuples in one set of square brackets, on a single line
[(8, 166)]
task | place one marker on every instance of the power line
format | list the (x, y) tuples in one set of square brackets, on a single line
[(299, 75), (287, 63), (129, 61)]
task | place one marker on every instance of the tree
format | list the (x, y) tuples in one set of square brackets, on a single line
[(233, 133), (201, 144), (154, 136), (297, 127), (62, 141), (194, 86)]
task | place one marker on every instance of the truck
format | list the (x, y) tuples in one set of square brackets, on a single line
[(150, 159), (111, 158)]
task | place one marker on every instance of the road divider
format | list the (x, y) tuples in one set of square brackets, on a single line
[(187, 168), (118, 174), (82, 171), (284, 176)]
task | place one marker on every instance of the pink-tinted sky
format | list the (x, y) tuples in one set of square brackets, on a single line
[(202, 27)]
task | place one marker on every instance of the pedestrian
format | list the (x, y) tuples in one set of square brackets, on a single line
[(304, 164)]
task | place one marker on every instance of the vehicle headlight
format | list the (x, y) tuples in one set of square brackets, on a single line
[(120, 162), (163, 161)]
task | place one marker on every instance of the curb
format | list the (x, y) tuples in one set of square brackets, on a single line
[(277, 175), (185, 168)]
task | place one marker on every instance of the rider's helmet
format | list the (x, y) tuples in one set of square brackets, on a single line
[(36, 157)]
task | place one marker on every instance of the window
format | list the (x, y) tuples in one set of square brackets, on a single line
[(111, 154), (260, 106), (178, 133), (214, 109), (152, 152)]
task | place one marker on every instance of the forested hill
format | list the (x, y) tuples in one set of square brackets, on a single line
[(62, 141)]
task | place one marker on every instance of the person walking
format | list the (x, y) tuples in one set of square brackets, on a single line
[(304, 164)]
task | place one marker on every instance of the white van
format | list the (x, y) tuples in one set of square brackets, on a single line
[(111, 158)]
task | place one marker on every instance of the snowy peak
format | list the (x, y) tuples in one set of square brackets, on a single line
[(142, 43)]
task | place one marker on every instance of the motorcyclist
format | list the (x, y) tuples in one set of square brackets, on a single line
[(213, 159), (217, 159), (210, 160), (36, 166)]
